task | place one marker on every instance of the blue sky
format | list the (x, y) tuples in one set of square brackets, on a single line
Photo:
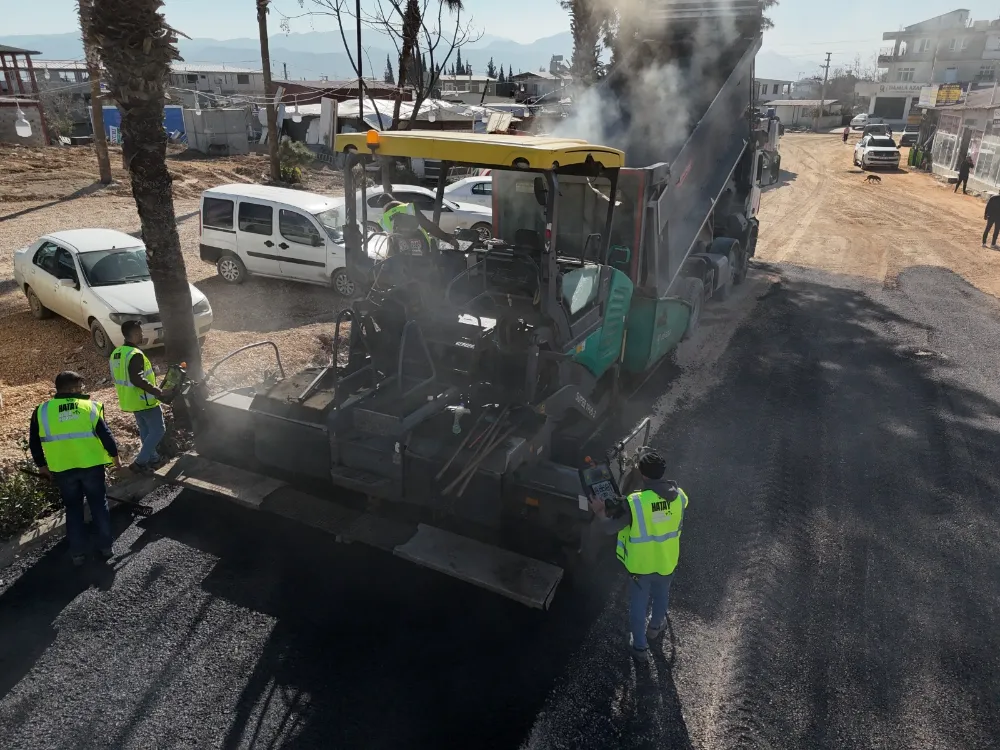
[(804, 28)]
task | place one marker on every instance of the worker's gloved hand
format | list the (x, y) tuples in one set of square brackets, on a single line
[(597, 505)]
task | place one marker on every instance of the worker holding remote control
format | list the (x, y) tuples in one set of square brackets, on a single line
[(648, 525)]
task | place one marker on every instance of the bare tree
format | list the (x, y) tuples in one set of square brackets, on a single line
[(137, 47), (418, 28), (85, 8), (272, 112)]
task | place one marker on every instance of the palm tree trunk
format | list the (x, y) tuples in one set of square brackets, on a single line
[(96, 107), (136, 46)]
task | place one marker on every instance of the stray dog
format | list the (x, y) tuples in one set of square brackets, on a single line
[(872, 179)]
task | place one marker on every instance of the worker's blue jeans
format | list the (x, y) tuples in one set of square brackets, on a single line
[(643, 588), (151, 432), (74, 485)]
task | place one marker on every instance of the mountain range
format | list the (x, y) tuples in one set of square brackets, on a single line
[(313, 54), (317, 53)]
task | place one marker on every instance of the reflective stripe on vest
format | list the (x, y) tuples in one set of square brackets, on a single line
[(66, 429), (131, 398), (651, 542)]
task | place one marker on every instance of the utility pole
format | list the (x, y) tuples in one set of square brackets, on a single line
[(822, 95), (272, 112), (284, 67), (96, 102)]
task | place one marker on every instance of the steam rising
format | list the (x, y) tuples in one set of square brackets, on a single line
[(662, 83)]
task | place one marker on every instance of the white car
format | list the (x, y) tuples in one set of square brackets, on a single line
[(98, 279), (875, 151), (478, 190), (454, 215), (859, 121)]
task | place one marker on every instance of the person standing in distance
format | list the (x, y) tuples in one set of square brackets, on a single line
[(71, 444), (135, 385), (992, 216), (649, 539)]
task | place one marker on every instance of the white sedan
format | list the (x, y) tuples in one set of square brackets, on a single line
[(478, 190), (98, 279), (454, 215), (876, 151)]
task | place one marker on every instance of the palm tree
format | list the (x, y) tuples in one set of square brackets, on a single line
[(137, 47)]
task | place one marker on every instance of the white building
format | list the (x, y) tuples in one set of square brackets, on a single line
[(950, 48), (771, 88), (203, 84)]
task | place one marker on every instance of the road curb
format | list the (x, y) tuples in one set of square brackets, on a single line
[(55, 525)]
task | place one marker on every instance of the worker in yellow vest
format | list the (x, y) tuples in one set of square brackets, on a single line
[(394, 208), (649, 538), (71, 444), (135, 385)]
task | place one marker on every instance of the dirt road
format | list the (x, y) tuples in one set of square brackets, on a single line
[(835, 425)]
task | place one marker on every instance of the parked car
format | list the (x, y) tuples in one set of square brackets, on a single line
[(877, 128), (478, 190), (876, 151), (98, 279), (909, 136), (275, 232), (454, 214), (859, 121)]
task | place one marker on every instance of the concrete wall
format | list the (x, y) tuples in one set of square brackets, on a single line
[(217, 131), (8, 116)]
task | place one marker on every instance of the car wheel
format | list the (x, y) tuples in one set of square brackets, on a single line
[(101, 339), (372, 227), (342, 283), (231, 269), (484, 229), (38, 310)]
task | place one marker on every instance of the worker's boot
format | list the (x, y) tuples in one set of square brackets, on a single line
[(652, 633)]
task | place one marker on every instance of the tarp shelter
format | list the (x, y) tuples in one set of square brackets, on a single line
[(173, 121)]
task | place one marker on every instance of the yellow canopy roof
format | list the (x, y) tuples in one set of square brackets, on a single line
[(487, 150)]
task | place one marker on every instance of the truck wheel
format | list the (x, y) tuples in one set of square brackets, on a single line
[(38, 310), (731, 249), (742, 266), (694, 293), (231, 269)]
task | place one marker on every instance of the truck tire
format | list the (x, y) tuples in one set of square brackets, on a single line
[(732, 250), (694, 293)]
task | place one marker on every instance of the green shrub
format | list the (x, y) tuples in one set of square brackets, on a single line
[(292, 157), (24, 498)]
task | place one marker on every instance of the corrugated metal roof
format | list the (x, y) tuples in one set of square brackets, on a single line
[(60, 64), (802, 102), (182, 67), (8, 50)]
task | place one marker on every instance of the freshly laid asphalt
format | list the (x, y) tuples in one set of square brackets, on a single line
[(839, 585)]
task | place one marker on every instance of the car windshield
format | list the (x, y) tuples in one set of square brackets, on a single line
[(881, 143), (332, 220), (116, 266)]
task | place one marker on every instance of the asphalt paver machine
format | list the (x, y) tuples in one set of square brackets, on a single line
[(470, 404)]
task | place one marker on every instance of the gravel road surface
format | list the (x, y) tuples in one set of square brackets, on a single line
[(840, 572)]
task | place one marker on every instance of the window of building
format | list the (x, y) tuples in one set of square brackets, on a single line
[(217, 213), (965, 42), (192, 79), (986, 73), (923, 45), (776, 88), (952, 44), (69, 76), (242, 78), (25, 75), (255, 218), (904, 74)]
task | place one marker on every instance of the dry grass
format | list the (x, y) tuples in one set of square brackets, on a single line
[(47, 190)]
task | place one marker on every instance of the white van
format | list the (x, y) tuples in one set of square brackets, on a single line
[(274, 232)]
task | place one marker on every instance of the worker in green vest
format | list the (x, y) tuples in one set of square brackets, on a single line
[(427, 228), (135, 384), (71, 444), (649, 535)]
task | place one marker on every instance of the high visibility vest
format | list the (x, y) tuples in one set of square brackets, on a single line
[(66, 427), (652, 542), (407, 209), (132, 398)]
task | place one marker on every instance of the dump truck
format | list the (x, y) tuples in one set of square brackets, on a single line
[(470, 404)]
